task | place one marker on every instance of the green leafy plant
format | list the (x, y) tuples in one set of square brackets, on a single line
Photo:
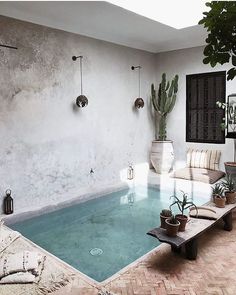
[(166, 213), (221, 44), (183, 203), (223, 106), (230, 118), (173, 220), (163, 102), (218, 190), (231, 114), (229, 184)]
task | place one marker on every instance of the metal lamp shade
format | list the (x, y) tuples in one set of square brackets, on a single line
[(139, 103), (82, 101), (231, 116)]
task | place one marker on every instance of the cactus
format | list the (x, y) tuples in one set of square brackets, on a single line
[(163, 103), (173, 220), (166, 213)]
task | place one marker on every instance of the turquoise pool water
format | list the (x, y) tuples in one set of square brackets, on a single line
[(101, 236)]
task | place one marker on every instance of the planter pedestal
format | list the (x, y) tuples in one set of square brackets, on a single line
[(162, 156), (230, 169)]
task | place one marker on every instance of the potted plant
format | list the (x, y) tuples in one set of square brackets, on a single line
[(165, 213), (230, 191), (218, 195), (229, 124), (172, 226), (182, 204), (162, 155)]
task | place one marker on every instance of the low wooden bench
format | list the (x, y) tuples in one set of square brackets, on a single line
[(194, 228)]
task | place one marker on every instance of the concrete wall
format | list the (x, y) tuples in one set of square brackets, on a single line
[(185, 62), (48, 145)]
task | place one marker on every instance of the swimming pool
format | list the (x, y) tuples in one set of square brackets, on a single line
[(103, 235)]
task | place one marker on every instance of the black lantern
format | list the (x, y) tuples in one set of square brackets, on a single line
[(231, 116), (130, 172), (139, 103), (81, 100), (8, 203)]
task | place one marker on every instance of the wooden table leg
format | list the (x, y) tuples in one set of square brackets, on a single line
[(175, 249), (191, 249), (228, 221)]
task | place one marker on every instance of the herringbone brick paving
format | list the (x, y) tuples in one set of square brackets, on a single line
[(165, 273)]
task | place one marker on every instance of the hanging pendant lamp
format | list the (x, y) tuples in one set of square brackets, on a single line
[(81, 100), (139, 103)]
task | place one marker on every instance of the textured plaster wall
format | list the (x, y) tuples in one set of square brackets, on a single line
[(185, 62), (48, 145)]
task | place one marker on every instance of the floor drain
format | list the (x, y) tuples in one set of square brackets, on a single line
[(96, 251)]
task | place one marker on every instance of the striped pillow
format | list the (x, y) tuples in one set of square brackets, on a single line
[(208, 159)]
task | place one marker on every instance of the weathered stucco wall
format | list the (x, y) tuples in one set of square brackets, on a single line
[(185, 62), (48, 145)]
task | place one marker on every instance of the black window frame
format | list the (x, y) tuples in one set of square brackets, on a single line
[(188, 79)]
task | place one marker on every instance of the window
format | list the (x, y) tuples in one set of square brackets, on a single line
[(203, 117)]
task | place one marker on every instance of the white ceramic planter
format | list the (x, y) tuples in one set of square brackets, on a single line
[(162, 156)]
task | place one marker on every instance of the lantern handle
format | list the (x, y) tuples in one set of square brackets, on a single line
[(8, 192)]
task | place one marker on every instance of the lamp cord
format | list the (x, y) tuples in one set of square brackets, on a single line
[(81, 76), (139, 82)]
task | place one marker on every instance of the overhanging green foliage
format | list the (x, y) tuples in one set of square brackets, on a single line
[(220, 22)]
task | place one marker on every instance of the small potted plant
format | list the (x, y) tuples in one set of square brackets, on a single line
[(172, 226), (182, 204), (218, 195), (165, 213), (230, 191)]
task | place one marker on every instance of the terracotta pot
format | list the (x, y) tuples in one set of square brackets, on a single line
[(230, 197), (220, 201), (183, 219), (171, 229), (163, 220), (213, 198)]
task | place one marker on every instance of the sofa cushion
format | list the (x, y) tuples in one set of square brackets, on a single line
[(208, 159), (198, 174)]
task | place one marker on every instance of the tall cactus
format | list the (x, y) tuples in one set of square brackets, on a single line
[(164, 102)]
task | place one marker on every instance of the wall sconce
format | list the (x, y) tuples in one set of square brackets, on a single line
[(8, 46), (231, 116), (81, 100), (139, 103)]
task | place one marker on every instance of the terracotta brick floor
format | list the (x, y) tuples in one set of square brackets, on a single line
[(163, 272)]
